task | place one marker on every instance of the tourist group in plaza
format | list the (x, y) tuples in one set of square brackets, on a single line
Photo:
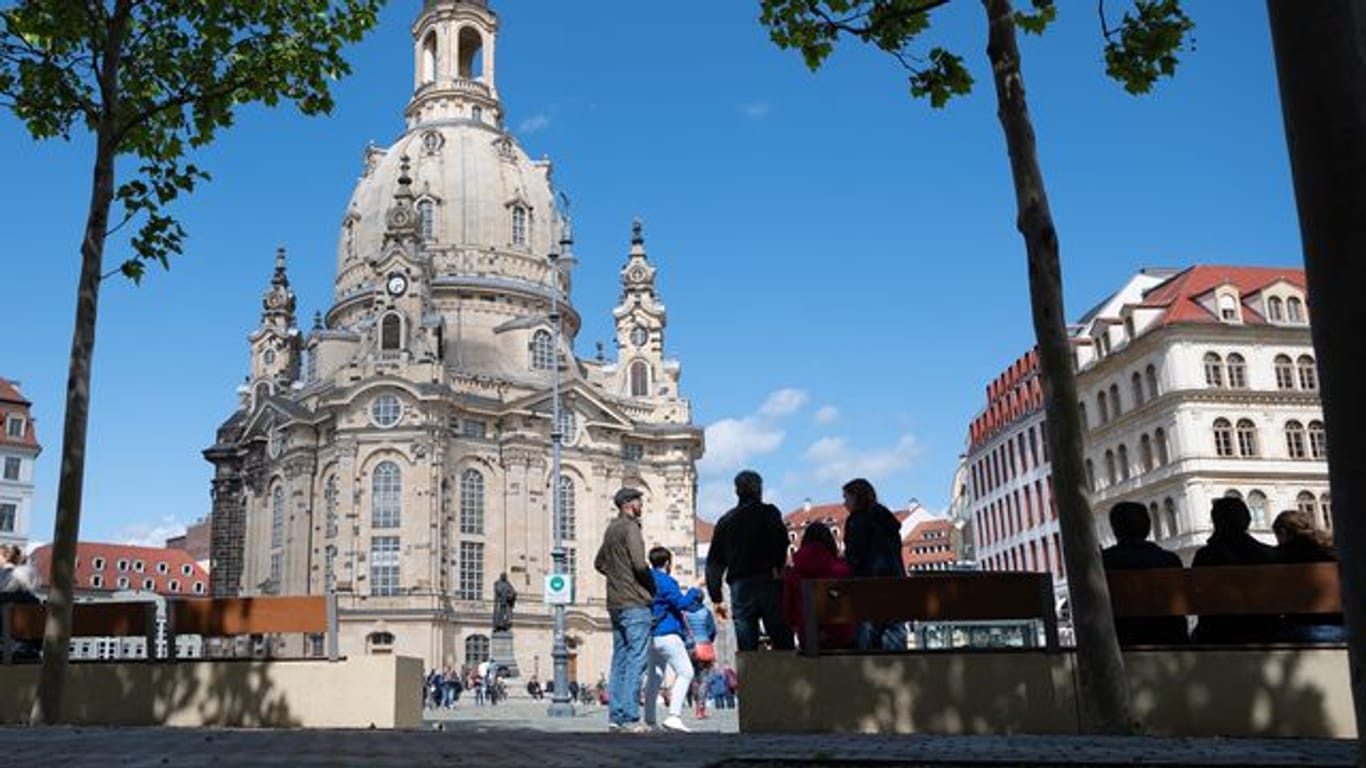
[(659, 628)]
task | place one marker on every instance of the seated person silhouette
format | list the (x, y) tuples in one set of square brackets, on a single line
[(1231, 544), (1132, 550)]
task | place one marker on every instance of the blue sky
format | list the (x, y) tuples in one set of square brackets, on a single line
[(838, 260)]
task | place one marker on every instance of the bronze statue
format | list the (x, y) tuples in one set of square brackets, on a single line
[(504, 598)]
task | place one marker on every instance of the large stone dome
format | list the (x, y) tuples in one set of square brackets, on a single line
[(471, 181)]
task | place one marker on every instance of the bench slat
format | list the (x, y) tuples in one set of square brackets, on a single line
[(223, 617), (933, 597), (1226, 590), (27, 622)]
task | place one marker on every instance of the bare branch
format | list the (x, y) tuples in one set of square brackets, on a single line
[(1104, 26)]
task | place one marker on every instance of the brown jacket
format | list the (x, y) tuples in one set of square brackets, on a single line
[(621, 558)]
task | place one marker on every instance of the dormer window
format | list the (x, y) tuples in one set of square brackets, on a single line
[(519, 221), (1129, 330), (1294, 310), (1275, 309), (1228, 308), (14, 427)]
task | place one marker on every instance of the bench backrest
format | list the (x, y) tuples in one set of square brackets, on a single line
[(979, 596), (227, 616), (1227, 590), (28, 621)]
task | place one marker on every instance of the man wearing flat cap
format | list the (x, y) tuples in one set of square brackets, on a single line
[(630, 593)]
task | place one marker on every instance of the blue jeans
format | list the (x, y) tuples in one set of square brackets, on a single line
[(630, 649), (756, 599)]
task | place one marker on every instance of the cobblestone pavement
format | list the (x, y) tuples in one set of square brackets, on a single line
[(520, 734)]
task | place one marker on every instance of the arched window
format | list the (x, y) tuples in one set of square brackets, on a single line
[(1233, 493), (1228, 308), (1318, 440), (1285, 372), (1155, 520), (1294, 440), (1307, 503), (1145, 453), (1090, 475), (542, 351), (1275, 309), (1237, 371), (640, 379), (1111, 475), (1115, 408), (330, 497), (1081, 408), (1123, 457), (1223, 437), (566, 520), (430, 61), (1101, 407), (476, 650), (379, 642), (1169, 512), (472, 502), (391, 332), (470, 45), (1247, 438), (1214, 370), (1326, 511), (426, 219), (277, 517), (519, 220), (1309, 378), (1136, 384), (1151, 374), (1294, 310), (1256, 504), (386, 495), (1160, 438)]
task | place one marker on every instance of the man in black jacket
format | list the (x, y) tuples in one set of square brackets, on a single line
[(748, 550), (1231, 544)]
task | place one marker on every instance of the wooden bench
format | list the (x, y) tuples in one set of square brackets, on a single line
[(1226, 590), (27, 622), (960, 596), (208, 617)]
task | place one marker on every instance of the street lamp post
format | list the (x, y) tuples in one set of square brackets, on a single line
[(561, 705)]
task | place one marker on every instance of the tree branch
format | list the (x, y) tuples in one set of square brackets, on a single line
[(1105, 30)]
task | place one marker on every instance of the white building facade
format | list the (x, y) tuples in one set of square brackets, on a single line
[(399, 452), (1194, 384), (1200, 387), (19, 451)]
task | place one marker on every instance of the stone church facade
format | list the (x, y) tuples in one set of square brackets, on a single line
[(399, 452)]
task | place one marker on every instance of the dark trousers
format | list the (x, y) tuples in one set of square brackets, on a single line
[(755, 599)]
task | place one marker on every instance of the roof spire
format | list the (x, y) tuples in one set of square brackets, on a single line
[(637, 236), (280, 278)]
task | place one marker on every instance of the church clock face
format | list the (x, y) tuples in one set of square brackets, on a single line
[(639, 336), (636, 274), (397, 284)]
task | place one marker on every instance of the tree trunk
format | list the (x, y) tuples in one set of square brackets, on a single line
[(1104, 688), (1321, 65), (47, 709)]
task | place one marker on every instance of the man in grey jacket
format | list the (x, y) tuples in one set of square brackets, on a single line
[(630, 593)]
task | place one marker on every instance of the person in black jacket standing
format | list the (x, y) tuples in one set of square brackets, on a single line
[(748, 550), (872, 547)]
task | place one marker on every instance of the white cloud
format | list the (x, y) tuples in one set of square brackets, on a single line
[(835, 461), (783, 402), (732, 442), (534, 124), (756, 110), (151, 534), (827, 414)]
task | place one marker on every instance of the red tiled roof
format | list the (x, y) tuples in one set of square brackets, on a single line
[(704, 531), (179, 567), (918, 532), (13, 402), (1179, 295), (832, 513)]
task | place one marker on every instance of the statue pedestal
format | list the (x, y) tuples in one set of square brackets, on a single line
[(500, 651)]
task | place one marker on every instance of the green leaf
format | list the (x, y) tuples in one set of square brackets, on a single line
[(1146, 45), (1045, 13)]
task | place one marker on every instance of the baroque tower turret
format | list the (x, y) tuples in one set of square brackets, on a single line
[(399, 453)]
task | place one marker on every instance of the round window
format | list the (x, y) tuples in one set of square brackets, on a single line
[(386, 410)]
